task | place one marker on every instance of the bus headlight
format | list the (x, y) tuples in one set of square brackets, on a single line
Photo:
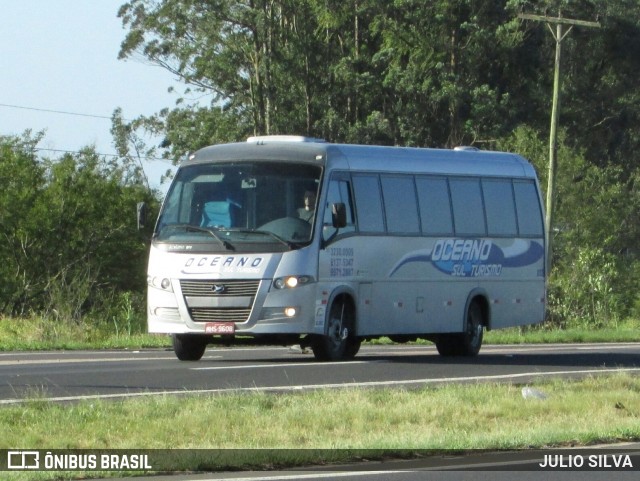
[(291, 282), (160, 283)]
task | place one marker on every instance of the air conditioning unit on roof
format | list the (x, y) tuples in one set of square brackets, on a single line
[(263, 139)]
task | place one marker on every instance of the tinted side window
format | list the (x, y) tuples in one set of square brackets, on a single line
[(500, 208), (400, 206), (368, 203), (468, 212), (528, 209), (435, 207)]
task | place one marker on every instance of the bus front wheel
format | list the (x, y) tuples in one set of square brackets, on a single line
[(189, 347), (340, 342)]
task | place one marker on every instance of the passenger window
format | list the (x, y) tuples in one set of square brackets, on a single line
[(528, 209), (468, 212), (368, 204), (500, 208), (400, 206), (435, 206)]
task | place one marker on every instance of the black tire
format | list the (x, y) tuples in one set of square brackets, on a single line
[(447, 344), (340, 342), (189, 347), (471, 339), (467, 343)]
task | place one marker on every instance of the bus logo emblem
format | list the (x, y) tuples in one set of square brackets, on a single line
[(218, 288)]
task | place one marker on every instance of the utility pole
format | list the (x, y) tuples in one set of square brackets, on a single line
[(559, 35)]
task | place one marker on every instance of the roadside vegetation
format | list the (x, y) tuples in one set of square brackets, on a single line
[(43, 333)]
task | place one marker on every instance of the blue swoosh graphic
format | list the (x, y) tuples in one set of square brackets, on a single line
[(520, 254)]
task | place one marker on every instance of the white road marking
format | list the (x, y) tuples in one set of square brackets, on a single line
[(287, 477), (610, 347), (77, 360), (279, 364), (307, 387)]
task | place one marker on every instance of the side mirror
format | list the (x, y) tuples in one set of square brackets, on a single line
[(142, 214), (339, 215)]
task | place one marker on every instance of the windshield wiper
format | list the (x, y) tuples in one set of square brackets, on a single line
[(194, 228), (226, 244), (290, 245)]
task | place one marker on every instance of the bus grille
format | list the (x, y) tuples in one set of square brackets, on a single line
[(200, 314), (221, 289), (231, 288)]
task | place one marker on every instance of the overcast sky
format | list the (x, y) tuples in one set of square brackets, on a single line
[(62, 56)]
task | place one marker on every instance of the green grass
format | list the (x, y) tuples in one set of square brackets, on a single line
[(46, 333), (452, 417), (40, 333), (626, 331)]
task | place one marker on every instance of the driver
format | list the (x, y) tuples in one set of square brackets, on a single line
[(306, 212)]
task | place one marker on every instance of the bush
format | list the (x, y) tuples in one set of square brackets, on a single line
[(70, 237), (586, 289)]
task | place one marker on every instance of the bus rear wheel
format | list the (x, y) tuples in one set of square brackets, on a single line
[(340, 342), (467, 343), (189, 347)]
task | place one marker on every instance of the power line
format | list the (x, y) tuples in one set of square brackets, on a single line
[(62, 112), (63, 151), (77, 114)]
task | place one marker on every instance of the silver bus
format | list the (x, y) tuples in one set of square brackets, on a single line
[(293, 240)]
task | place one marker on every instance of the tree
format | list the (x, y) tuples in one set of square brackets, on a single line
[(596, 231), (442, 94), (67, 236), (269, 66), (409, 73), (602, 116), (223, 48), (22, 179)]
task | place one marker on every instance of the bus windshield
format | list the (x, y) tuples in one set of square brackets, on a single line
[(241, 205)]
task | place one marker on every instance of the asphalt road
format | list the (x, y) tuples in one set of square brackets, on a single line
[(74, 375), (489, 466)]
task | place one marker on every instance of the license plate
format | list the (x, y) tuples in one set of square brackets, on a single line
[(220, 328)]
